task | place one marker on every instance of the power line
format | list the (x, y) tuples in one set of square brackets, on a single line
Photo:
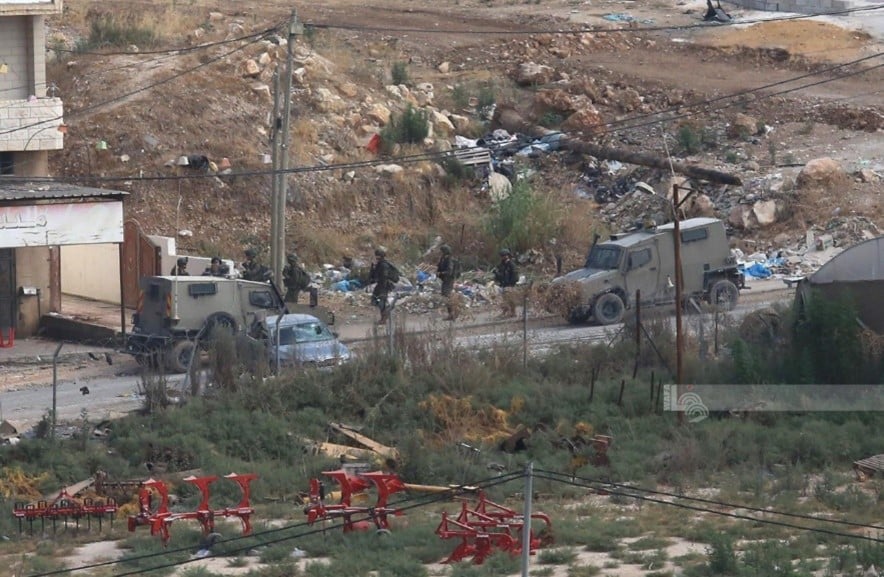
[(616, 125), (721, 503), (423, 501), (138, 90), (588, 29), (562, 478)]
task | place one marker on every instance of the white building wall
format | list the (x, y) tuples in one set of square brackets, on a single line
[(91, 271)]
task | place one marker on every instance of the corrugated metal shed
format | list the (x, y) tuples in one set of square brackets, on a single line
[(51, 191), (856, 274), (861, 262)]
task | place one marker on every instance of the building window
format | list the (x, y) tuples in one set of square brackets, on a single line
[(6, 164)]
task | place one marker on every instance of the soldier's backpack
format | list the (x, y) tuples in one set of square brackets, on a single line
[(456, 268), (392, 273)]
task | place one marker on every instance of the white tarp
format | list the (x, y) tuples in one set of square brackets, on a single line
[(61, 224)]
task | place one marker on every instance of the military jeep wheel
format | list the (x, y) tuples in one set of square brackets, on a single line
[(608, 309), (723, 295), (178, 359)]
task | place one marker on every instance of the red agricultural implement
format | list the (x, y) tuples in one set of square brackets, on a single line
[(488, 527), (65, 509), (160, 518), (354, 483)]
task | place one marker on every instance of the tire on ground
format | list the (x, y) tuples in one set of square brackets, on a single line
[(608, 309), (723, 295), (178, 358)]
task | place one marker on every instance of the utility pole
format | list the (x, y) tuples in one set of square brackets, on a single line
[(274, 179), (295, 28), (679, 335)]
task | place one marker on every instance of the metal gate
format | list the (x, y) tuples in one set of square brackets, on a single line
[(8, 302), (140, 258)]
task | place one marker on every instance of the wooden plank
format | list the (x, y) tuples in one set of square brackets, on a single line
[(350, 433)]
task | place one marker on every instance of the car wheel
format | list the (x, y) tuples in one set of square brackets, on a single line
[(178, 359), (724, 295), (608, 309)]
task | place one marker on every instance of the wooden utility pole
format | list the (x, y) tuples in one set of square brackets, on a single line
[(281, 149), (295, 28), (679, 335), (274, 180)]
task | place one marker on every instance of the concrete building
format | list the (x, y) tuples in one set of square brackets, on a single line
[(37, 216)]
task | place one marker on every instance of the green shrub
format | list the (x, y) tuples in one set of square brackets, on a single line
[(722, 558), (523, 220), (487, 95), (411, 127), (551, 120), (460, 96), (399, 73)]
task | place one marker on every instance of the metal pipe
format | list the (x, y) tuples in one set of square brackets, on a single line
[(54, 388), (526, 524)]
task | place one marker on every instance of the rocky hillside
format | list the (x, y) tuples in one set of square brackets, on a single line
[(807, 159)]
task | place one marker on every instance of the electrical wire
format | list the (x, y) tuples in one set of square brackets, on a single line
[(139, 90), (720, 503), (583, 30), (486, 483), (562, 478)]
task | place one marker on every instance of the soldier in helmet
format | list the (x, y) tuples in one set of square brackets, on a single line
[(216, 268), (446, 273), (506, 277), (295, 278), (251, 270), (180, 268), (384, 276)]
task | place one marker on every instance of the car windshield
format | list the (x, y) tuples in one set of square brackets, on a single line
[(308, 332), (603, 257)]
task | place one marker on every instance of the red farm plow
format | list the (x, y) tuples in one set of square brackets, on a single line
[(487, 528)]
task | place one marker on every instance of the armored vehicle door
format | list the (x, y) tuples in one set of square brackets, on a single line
[(258, 300), (643, 272)]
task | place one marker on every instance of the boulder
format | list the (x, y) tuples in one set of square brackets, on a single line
[(823, 173), (765, 212), (531, 73), (327, 101), (265, 59), (461, 123), (251, 68), (629, 100), (701, 205), (499, 186), (444, 67), (742, 126), (388, 169), (379, 114), (441, 125), (556, 99), (868, 175), (348, 90), (262, 89), (586, 120), (299, 75), (741, 216)]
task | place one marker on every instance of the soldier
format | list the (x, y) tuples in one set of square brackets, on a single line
[(385, 276), (505, 273), (446, 273), (506, 277), (180, 269), (295, 278), (217, 268), (251, 270)]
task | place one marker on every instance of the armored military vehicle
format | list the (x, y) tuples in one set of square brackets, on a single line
[(644, 260)]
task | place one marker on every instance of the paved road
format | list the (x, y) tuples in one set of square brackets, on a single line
[(111, 397)]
